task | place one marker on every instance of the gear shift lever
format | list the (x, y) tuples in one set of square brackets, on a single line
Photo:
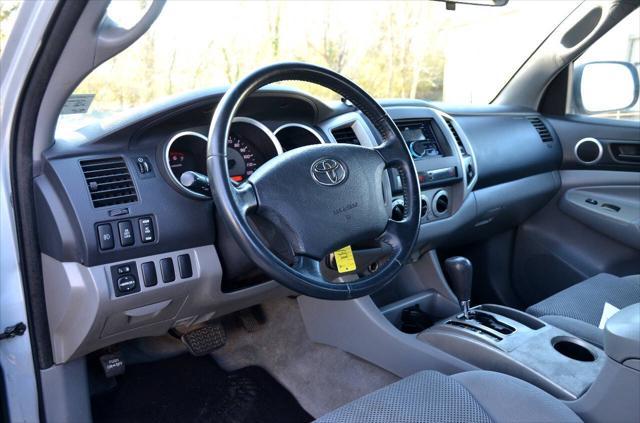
[(460, 273)]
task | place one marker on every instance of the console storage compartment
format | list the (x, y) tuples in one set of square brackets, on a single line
[(419, 311)]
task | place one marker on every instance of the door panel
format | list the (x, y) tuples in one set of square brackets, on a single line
[(571, 238)]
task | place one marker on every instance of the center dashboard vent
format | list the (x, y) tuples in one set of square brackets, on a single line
[(109, 181), (456, 136), (345, 135), (542, 129)]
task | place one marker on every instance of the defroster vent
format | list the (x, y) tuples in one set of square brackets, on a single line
[(109, 181), (542, 129)]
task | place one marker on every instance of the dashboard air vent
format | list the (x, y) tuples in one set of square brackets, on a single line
[(463, 151), (109, 181), (542, 129), (345, 135)]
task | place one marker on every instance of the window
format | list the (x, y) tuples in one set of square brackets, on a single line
[(609, 85), (390, 48)]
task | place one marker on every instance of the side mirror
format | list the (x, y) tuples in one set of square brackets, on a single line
[(600, 87)]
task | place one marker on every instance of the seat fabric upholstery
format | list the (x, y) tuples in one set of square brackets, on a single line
[(578, 309), (473, 397)]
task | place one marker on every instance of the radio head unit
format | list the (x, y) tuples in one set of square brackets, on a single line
[(421, 138)]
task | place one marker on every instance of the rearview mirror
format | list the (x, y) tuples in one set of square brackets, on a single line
[(600, 87), (451, 4)]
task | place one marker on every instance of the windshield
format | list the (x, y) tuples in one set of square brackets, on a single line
[(391, 49)]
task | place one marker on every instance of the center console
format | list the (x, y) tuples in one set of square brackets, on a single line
[(509, 341), (425, 322)]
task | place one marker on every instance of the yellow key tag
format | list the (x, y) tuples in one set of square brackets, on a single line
[(344, 260)]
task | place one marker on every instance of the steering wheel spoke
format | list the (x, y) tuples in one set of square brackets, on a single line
[(309, 266), (245, 197), (395, 233)]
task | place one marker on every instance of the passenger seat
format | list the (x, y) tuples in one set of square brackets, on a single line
[(579, 308)]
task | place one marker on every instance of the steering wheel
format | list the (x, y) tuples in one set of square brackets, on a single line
[(322, 197)]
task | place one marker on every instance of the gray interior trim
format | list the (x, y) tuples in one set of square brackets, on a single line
[(65, 392), (528, 353), (622, 224), (622, 334), (613, 396), (84, 313), (359, 327)]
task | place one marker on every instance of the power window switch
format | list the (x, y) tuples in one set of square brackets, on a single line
[(167, 270), (125, 229), (105, 236), (149, 276), (591, 201)]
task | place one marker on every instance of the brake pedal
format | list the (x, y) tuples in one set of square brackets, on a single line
[(205, 339)]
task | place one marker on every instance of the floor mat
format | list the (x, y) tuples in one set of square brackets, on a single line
[(196, 389)]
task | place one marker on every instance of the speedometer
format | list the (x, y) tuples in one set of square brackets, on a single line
[(249, 146), (241, 159)]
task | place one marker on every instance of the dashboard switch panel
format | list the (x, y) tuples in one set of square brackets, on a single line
[(125, 278), (184, 266), (149, 276), (167, 270), (105, 236), (147, 232), (125, 229)]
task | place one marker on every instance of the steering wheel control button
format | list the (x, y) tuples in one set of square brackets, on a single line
[(147, 233), (167, 270), (125, 229), (105, 236), (126, 284), (149, 276), (184, 266), (329, 172), (125, 278), (345, 260)]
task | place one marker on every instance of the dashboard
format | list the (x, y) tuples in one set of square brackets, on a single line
[(131, 243)]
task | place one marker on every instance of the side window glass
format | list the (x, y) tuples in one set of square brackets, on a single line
[(606, 75)]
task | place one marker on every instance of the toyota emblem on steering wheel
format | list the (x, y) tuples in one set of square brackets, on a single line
[(328, 172)]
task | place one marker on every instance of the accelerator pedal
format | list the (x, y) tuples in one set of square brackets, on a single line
[(251, 319), (205, 339)]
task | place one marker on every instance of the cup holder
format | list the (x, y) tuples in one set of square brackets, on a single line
[(573, 348)]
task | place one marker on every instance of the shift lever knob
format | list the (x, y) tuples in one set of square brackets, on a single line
[(460, 273)]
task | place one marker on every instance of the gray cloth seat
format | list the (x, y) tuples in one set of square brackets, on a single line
[(470, 397), (578, 309)]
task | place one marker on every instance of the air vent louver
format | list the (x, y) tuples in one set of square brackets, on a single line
[(542, 129), (109, 181), (463, 151), (345, 135)]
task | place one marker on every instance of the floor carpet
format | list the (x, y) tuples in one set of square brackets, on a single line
[(196, 389), (321, 377)]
